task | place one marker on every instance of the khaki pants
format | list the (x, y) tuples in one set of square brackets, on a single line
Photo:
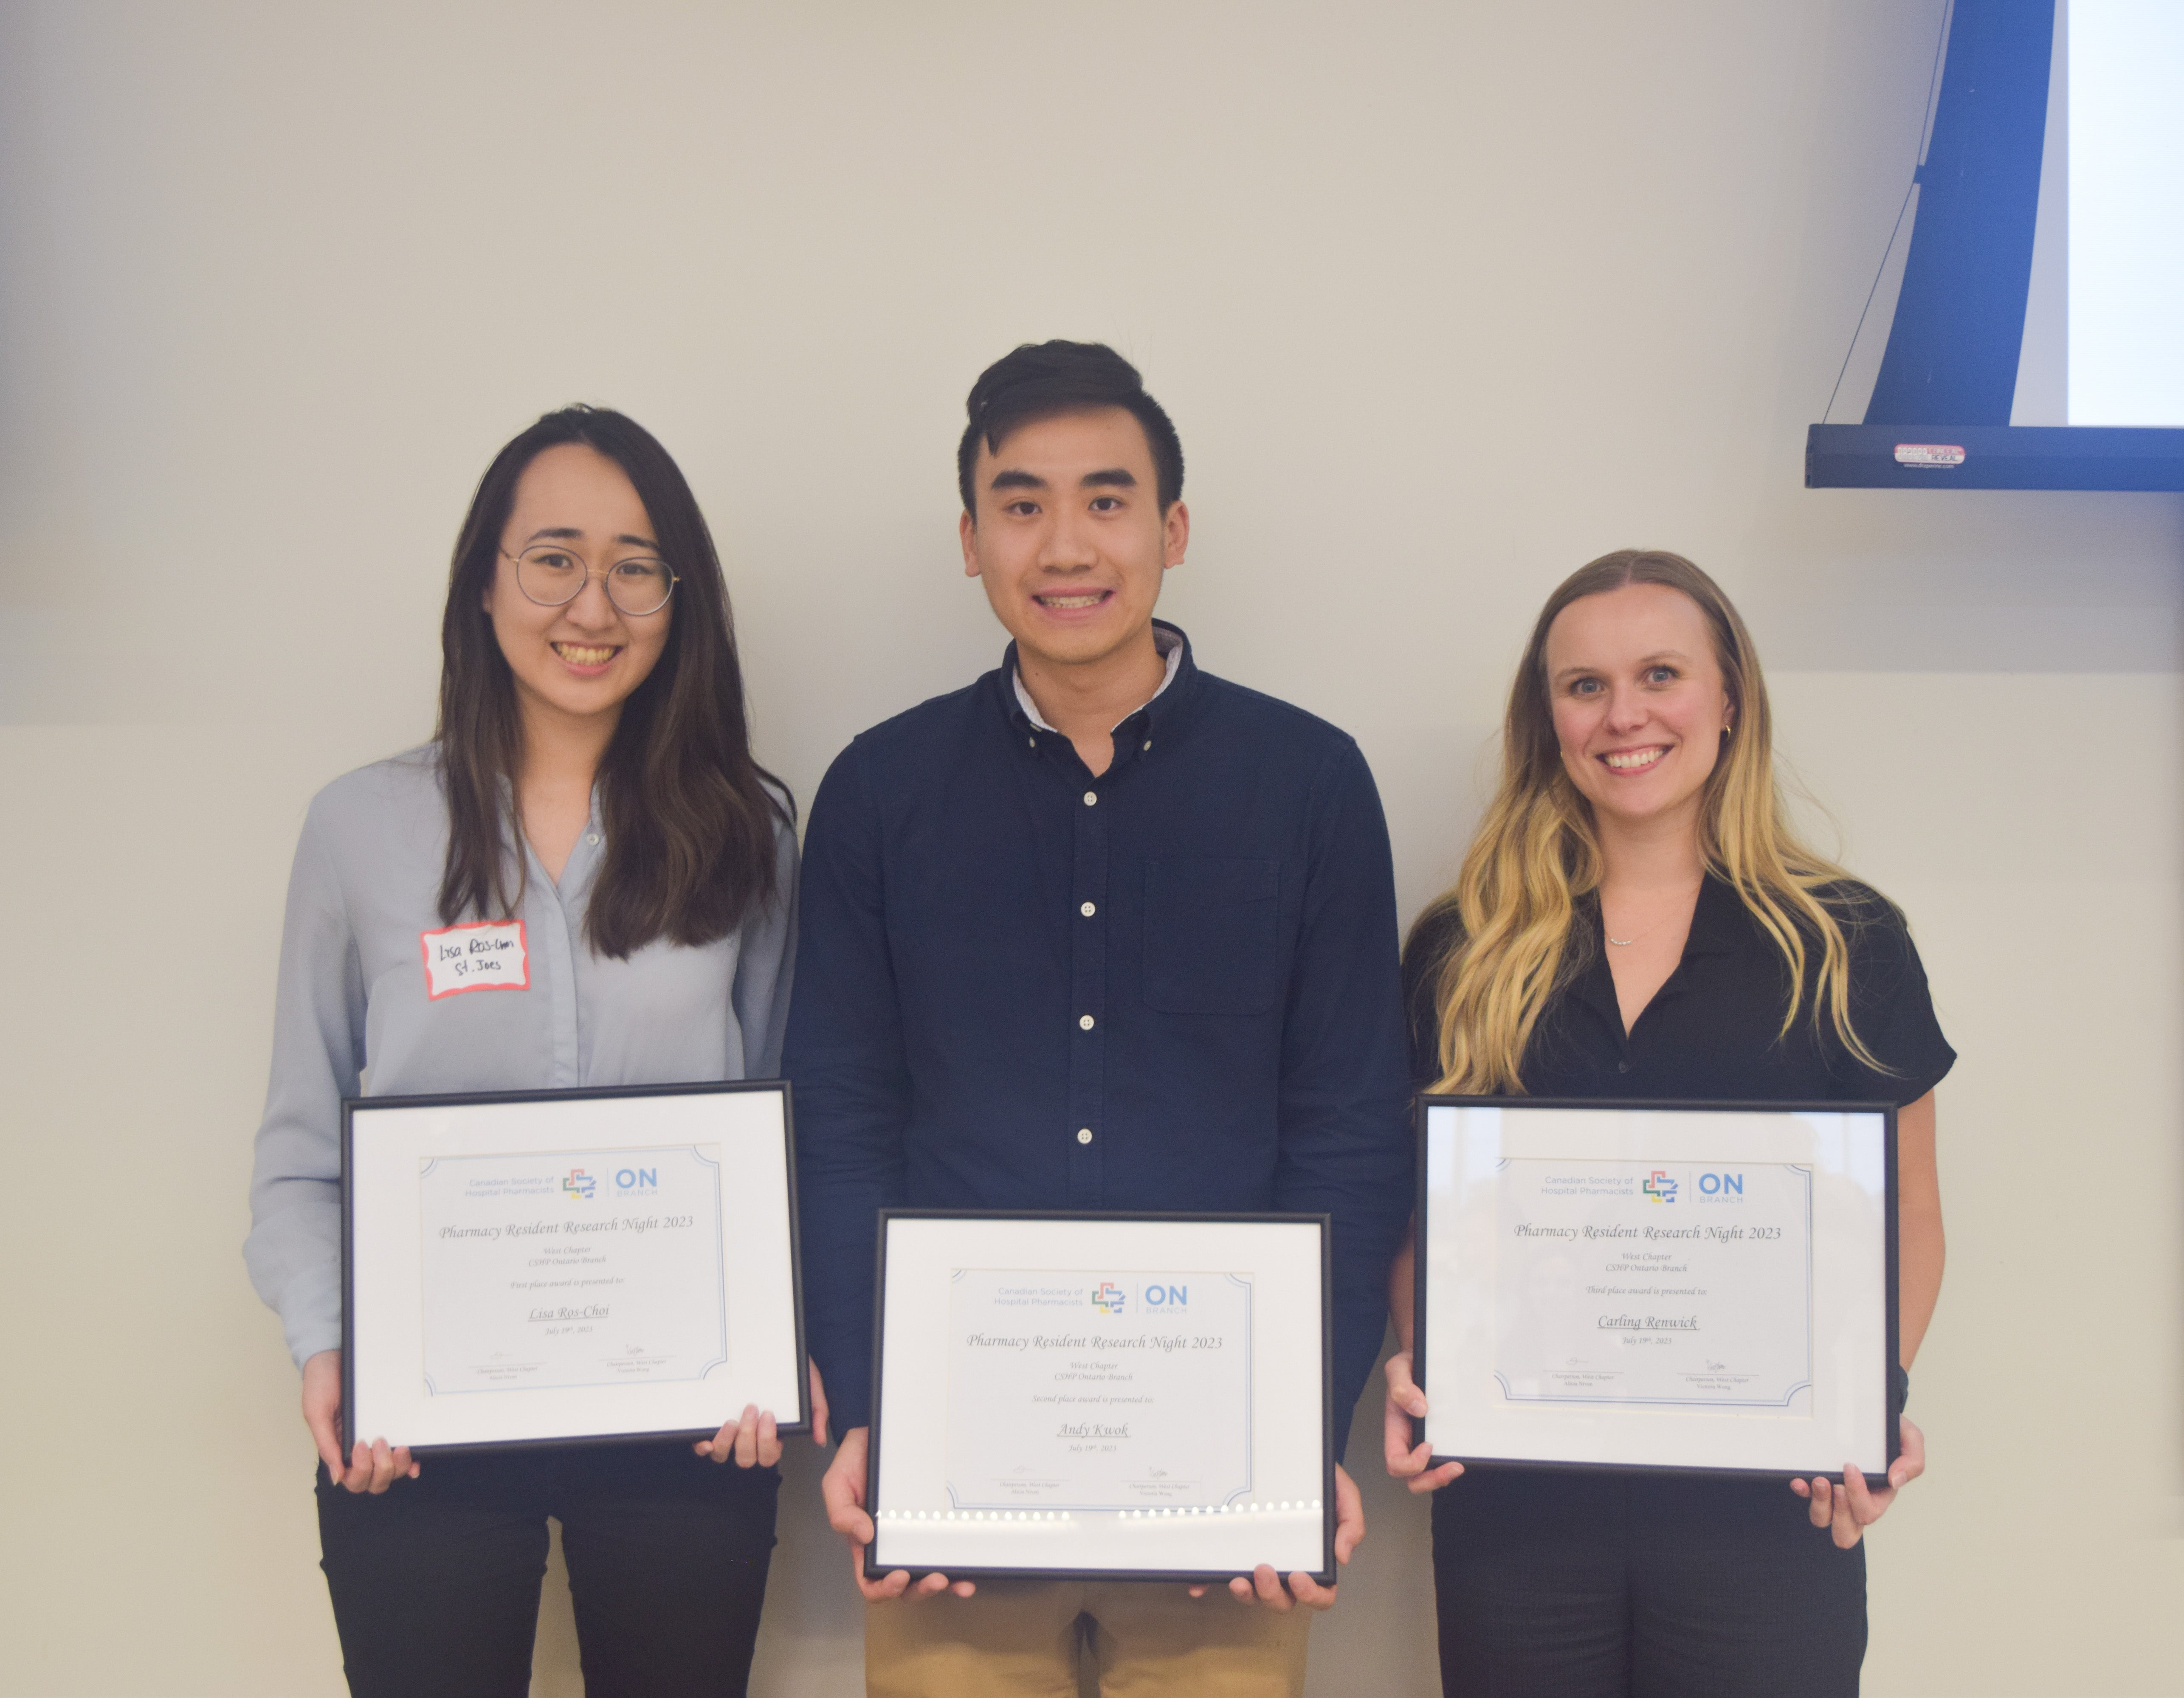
[(1022, 1638)]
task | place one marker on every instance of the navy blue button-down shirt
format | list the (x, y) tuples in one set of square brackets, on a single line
[(1171, 987)]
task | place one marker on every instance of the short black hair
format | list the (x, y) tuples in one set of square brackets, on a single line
[(1037, 380)]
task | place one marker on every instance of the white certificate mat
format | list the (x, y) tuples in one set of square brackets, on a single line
[(532, 1267), (1658, 1285), (1123, 1396)]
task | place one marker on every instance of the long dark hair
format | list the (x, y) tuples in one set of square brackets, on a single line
[(689, 815)]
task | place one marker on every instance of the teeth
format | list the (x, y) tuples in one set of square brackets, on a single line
[(1072, 601), (577, 656), (1635, 758)]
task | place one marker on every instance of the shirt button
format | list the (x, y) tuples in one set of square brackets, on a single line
[(592, 837), (1084, 1021), (1032, 743), (1084, 1134), (1148, 746), (1091, 799), (1088, 911), (1622, 1066)]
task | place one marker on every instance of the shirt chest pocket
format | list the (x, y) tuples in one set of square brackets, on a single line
[(1210, 934)]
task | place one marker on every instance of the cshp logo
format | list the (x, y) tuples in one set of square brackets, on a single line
[(1110, 1299), (579, 1185), (1659, 1186)]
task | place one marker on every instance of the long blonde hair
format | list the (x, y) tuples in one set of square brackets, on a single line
[(1536, 854)]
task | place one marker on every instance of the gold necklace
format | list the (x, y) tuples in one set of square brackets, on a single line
[(1626, 942)]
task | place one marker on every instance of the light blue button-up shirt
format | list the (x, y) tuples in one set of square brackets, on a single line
[(355, 1017)]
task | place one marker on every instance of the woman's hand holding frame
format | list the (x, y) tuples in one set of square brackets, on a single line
[(375, 1466), (1848, 1508)]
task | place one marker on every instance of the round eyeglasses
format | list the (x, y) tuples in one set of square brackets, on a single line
[(555, 577)]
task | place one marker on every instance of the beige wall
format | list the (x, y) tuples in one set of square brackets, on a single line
[(1446, 299)]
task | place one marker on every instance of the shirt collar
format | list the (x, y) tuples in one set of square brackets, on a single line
[(1719, 926), (1168, 640), (1720, 923)]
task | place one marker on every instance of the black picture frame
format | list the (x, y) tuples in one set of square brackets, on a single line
[(1893, 1299), (1325, 1576), (349, 1108)]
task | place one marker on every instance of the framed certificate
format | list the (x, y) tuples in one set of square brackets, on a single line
[(542, 1267), (1128, 1397), (1698, 1286)]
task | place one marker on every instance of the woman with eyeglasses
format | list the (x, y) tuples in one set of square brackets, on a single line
[(1636, 919), (592, 779)]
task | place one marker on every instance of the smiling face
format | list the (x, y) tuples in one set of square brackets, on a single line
[(1638, 702), (1069, 539), (583, 659)]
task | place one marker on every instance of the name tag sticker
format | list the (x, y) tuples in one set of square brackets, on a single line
[(489, 955)]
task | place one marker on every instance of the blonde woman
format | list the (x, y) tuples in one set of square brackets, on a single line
[(1636, 919)]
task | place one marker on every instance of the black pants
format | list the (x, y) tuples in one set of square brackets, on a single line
[(1584, 1585), (435, 1584)]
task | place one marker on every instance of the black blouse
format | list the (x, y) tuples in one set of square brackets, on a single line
[(1712, 1032)]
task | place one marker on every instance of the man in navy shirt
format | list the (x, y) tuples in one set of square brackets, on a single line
[(1099, 931)]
